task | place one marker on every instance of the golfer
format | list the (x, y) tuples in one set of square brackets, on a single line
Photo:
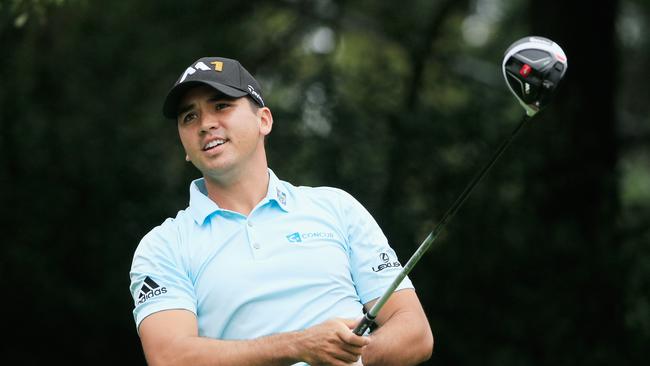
[(257, 271)]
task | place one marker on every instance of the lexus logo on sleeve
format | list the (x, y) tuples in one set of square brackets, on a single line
[(385, 258)]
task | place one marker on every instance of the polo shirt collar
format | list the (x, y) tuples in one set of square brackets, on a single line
[(201, 206), (278, 192)]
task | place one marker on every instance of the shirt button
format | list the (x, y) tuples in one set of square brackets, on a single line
[(250, 224), (256, 245)]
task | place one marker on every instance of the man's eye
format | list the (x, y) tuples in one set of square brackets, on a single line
[(220, 106), (189, 117)]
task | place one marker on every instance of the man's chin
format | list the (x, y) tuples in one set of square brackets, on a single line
[(216, 172)]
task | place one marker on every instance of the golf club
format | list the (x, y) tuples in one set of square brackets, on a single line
[(532, 68)]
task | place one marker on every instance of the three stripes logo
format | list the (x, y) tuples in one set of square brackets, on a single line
[(150, 289)]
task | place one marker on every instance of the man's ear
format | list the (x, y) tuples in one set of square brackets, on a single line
[(266, 120)]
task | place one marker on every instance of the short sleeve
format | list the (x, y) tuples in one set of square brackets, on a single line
[(374, 264), (159, 280)]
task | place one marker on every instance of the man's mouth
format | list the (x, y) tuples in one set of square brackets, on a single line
[(214, 143)]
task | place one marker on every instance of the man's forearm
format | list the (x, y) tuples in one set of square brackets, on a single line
[(329, 343), (272, 350)]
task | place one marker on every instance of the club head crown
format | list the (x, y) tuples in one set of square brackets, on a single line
[(533, 68)]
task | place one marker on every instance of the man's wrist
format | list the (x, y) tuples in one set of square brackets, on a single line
[(285, 347), (295, 351)]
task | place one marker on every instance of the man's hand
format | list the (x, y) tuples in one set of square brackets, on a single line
[(331, 343)]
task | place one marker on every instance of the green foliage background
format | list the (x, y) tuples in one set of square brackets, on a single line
[(547, 263)]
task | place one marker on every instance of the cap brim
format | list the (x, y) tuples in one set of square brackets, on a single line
[(170, 106)]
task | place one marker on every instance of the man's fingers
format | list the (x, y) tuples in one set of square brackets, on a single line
[(355, 340), (338, 352), (351, 323), (350, 338), (352, 349), (332, 343), (346, 357)]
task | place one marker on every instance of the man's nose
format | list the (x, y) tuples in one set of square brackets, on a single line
[(209, 121)]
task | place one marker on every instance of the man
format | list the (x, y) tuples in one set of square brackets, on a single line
[(257, 271)]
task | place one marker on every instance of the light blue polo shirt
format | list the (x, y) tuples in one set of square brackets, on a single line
[(302, 256)]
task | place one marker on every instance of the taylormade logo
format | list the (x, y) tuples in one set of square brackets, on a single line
[(255, 94)]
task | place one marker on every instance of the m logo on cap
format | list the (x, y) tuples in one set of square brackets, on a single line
[(218, 66), (191, 70)]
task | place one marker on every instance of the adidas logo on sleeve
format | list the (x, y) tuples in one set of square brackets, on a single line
[(150, 289)]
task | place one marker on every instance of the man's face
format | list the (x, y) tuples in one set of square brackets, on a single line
[(220, 134)]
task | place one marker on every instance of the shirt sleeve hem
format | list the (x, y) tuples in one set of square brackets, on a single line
[(154, 308), (374, 294)]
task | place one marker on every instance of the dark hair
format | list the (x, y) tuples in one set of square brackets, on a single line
[(253, 103)]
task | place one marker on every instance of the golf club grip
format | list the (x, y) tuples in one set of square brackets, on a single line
[(363, 326)]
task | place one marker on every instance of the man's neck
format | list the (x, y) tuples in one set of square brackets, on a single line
[(239, 192)]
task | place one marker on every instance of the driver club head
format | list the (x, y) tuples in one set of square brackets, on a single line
[(533, 67)]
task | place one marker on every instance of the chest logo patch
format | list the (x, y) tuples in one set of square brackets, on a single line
[(299, 237)]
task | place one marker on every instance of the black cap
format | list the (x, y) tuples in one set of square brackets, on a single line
[(226, 75)]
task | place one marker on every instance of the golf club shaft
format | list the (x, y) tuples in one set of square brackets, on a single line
[(370, 316)]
